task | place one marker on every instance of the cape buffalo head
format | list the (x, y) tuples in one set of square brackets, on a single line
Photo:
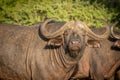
[(73, 42), (73, 36), (115, 35)]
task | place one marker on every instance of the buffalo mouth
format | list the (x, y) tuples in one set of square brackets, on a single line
[(75, 48), (74, 51), (75, 45)]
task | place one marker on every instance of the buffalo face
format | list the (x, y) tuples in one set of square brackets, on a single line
[(73, 36), (73, 42)]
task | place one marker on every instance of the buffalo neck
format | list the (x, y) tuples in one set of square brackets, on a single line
[(60, 59)]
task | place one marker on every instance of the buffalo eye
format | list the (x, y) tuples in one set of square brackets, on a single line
[(67, 32)]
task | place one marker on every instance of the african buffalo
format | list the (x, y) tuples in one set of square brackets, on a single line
[(50, 51), (101, 62), (116, 35)]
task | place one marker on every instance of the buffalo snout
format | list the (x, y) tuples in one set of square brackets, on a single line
[(75, 44)]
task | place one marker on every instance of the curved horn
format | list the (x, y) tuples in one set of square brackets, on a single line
[(112, 33), (92, 34), (56, 33)]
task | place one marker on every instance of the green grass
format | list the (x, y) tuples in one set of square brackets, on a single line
[(28, 12)]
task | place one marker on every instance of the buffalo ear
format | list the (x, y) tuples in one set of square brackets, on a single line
[(117, 44), (56, 41), (93, 43)]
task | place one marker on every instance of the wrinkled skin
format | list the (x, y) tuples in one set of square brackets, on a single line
[(99, 63)]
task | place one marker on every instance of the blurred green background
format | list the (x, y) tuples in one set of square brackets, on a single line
[(28, 12)]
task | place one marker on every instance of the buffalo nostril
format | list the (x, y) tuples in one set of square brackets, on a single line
[(75, 42), (72, 42)]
